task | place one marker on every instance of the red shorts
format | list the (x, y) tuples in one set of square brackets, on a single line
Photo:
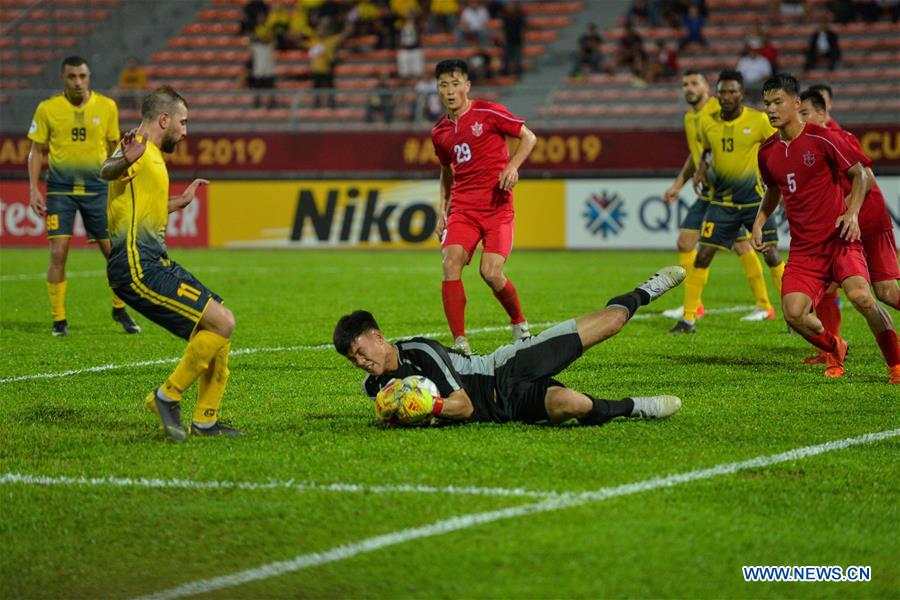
[(811, 274), (493, 229), (881, 256)]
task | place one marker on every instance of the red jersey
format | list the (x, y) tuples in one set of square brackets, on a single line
[(808, 171), (474, 146), (832, 125), (873, 216)]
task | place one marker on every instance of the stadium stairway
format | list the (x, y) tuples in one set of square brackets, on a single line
[(868, 76)]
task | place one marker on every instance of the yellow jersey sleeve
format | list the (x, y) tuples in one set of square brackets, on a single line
[(39, 131)]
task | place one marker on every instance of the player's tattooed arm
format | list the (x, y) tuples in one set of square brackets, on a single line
[(187, 196), (849, 221), (129, 151), (509, 176), (686, 172), (768, 206)]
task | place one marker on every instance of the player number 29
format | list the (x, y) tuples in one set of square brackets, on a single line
[(463, 153), (792, 183)]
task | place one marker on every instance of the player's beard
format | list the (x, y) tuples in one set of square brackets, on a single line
[(169, 142)]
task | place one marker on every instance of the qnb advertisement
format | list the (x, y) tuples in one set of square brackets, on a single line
[(362, 214), (631, 214), (22, 227)]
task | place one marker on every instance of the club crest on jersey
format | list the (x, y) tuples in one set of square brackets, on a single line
[(477, 129), (809, 159), (96, 120)]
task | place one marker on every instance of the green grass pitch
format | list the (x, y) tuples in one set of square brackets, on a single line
[(746, 394)]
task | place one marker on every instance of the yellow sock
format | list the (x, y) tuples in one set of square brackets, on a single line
[(200, 352), (777, 273), (693, 289), (753, 270), (57, 292), (117, 302), (686, 259), (211, 387)]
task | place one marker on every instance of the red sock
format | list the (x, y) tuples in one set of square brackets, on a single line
[(824, 341), (509, 298), (454, 295), (887, 341), (828, 312)]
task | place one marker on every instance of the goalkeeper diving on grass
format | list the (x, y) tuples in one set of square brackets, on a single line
[(513, 383)]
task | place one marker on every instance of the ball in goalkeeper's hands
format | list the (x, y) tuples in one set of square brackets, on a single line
[(410, 400)]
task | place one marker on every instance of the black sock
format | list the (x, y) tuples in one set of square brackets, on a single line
[(645, 296), (606, 410), (630, 302)]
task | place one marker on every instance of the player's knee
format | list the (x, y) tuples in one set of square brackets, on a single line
[(491, 274), (772, 256), (453, 266), (228, 322), (685, 243), (887, 291), (861, 299), (704, 258), (567, 404)]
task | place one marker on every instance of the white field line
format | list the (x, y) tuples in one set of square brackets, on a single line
[(240, 351), (563, 501), (300, 486)]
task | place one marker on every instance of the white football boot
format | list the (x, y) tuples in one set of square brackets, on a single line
[(520, 331), (663, 280), (655, 407), (461, 345), (760, 314)]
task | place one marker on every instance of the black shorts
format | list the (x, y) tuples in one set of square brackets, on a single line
[(725, 224), (693, 220), (524, 370), (169, 296), (61, 210)]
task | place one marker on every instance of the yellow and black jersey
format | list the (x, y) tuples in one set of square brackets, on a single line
[(79, 141), (692, 134), (138, 214), (734, 172)]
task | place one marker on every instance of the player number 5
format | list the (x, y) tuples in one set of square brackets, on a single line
[(463, 153), (792, 183)]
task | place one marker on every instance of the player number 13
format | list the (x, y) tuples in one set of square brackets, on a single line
[(463, 153), (792, 182)]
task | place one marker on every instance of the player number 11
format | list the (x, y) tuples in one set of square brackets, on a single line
[(792, 183)]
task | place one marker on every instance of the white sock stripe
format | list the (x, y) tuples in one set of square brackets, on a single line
[(241, 351), (465, 521)]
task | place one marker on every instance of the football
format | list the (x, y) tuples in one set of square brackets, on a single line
[(409, 400)]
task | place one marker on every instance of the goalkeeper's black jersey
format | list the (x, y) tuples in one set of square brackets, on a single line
[(449, 370)]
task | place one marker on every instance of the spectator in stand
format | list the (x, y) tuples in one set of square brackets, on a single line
[(299, 29), (667, 61), (381, 100), (384, 27), (514, 23), (323, 48), (481, 67), (788, 8), (631, 54), (278, 23), (313, 9), (646, 9), (473, 24), (870, 10), (427, 104), (755, 67), (693, 24), (410, 57), (255, 13), (495, 8), (400, 9), (765, 46), (823, 44), (132, 83), (588, 55), (442, 16), (262, 66)]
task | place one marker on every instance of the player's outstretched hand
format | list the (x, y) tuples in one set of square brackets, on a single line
[(509, 177), (849, 225), (756, 238), (699, 181), (132, 147), (38, 204)]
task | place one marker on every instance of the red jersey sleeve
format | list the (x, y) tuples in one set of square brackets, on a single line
[(442, 155), (502, 121), (836, 150), (856, 148)]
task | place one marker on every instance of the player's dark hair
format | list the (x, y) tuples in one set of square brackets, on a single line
[(694, 72), (72, 61), (160, 100), (732, 75), (822, 87), (815, 98), (451, 66), (350, 327), (783, 81)]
